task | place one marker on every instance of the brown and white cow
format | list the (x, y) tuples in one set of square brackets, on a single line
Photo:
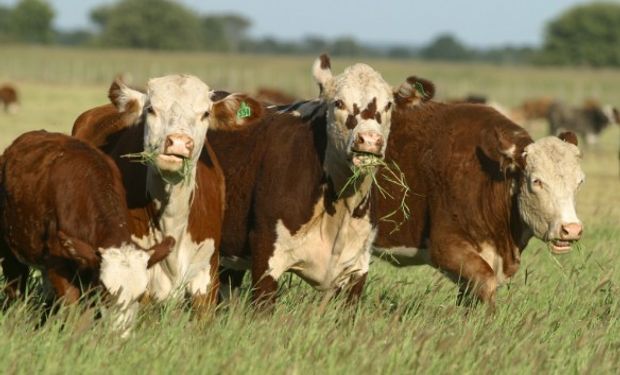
[(62, 210), (588, 121), (180, 192), (480, 189), (284, 174), (9, 98)]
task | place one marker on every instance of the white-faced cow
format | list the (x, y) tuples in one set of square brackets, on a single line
[(286, 208), (62, 210), (480, 189), (180, 190)]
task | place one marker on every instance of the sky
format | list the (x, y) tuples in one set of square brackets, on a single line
[(480, 23)]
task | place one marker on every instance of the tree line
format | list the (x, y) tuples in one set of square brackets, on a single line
[(585, 35)]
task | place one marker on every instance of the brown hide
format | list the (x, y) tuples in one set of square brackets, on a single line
[(60, 199), (8, 96), (457, 162)]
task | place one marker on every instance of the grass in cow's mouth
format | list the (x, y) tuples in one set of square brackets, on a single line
[(148, 157), (392, 174)]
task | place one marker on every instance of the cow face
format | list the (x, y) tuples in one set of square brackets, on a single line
[(176, 112), (359, 110), (551, 177)]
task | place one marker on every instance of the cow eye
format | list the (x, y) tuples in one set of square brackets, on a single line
[(205, 115), (537, 183), (339, 104), (388, 106), (150, 110)]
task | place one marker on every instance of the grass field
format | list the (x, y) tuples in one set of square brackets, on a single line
[(558, 314)]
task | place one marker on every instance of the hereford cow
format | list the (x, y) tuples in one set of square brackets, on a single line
[(480, 189), (588, 121), (8, 97), (62, 210), (178, 189), (288, 206)]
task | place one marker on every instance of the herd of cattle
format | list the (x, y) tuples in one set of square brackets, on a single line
[(225, 184)]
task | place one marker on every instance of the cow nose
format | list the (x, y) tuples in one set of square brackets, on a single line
[(571, 231), (368, 141), (179, 145)]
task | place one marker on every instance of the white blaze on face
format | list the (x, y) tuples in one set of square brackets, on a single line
[(359, 104), (124, 274), (552, 177)]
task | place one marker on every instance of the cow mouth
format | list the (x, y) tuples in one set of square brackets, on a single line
[(558, 246), (365, 158), (171, 162)]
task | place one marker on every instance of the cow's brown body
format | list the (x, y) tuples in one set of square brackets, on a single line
[(50, 182), (460, 200), (8, 96)]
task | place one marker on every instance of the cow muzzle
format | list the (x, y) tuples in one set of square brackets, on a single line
[(367, 143), (177, 147), (569, 233)]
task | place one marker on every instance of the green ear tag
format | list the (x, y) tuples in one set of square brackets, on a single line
[(244, 111), (420, 88)]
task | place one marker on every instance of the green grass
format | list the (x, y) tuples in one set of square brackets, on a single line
[(558, 314)]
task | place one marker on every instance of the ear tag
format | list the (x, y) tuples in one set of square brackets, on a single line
[(244, 111), (420, 88)]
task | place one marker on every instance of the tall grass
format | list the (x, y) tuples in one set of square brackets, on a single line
[(557, 315)]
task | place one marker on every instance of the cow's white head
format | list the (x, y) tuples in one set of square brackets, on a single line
[(359, 110), (550, 178), (177, 110)]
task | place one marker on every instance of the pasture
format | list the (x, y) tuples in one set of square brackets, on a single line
[(559, 314)]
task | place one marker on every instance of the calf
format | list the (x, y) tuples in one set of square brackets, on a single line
[(480, 189), (288, 204), (62, 210), (178, 190), (8, 97), (588, 121)]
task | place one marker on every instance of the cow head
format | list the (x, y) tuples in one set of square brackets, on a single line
[(176, 110), (358, 114), (550, 178)]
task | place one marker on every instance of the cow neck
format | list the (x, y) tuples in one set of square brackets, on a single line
[(339, 172), (172, 202), (520, 231)]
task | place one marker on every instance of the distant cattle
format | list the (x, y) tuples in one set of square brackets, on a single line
[(9, 98), (288, 204), (62, 210), (272, 96), (480, 189), (534, 109), (587, 121), (178, 189)]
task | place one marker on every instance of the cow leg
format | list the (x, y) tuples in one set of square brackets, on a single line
[(15, 273), (60, 278), (466, 268), (264, 282)]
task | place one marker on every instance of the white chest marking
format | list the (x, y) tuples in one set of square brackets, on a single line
[(328, 251)]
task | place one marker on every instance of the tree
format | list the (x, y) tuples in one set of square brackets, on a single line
[(446, 47), (584, 35), (224, 32), (153, 24), (30, 21)]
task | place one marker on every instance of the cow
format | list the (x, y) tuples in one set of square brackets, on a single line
[(587, 121), (481, 188), (289, 207), (534, 108), (9, 98), (273, 96), (178, 189), (62, 210)]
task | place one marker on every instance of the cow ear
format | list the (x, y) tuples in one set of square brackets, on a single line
[(322, 71), (77, 250), (414, 91), (125, 99), (160, 251), (569, 137), (235, 110), (505, 147)]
